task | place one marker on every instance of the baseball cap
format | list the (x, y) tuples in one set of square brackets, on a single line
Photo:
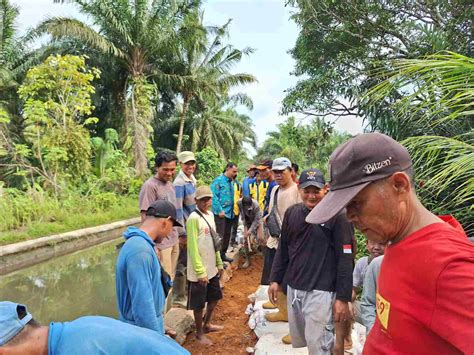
[(163, 209), (13, 318), (354, 165), (186, 156), (203, 191), (312, 177), (251, 167), (281, 164), (265, 164)]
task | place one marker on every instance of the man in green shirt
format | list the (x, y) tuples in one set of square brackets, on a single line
[(204, 265)]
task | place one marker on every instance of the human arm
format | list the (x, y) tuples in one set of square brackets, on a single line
[(180, 192), (192, 226), (256, 220), (368, 309), (343, 232), (216, 195), (139, 279), (453, 315)]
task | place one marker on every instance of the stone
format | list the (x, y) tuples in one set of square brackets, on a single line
[(181, 321)]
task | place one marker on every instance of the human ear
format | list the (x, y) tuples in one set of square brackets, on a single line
[(401, 182)]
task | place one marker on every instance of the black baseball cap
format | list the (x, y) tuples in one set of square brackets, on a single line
[(163, 209), (354, 165), (311, 177)]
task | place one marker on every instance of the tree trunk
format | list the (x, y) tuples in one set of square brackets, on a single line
[(186, 100)]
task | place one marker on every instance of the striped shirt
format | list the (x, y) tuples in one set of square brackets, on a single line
[(185, 188)]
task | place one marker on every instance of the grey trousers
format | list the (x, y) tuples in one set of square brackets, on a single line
[(310, 319)]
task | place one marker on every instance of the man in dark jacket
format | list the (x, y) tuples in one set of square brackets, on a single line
[(252, 219), (315, 260)]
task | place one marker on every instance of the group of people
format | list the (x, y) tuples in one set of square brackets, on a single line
[(414, 292)]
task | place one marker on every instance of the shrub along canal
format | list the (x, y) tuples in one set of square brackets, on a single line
[(67, 287)]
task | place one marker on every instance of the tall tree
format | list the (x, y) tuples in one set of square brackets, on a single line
[(340, 42), (202, 65), (132, 36)]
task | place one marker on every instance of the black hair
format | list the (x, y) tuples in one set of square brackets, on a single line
[(295, 167), (246, 201), (230, 165), (164, 157)]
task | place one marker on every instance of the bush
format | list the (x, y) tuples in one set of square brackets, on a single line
[(209, 164)]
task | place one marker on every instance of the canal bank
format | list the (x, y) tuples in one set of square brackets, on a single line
[(20, 255)]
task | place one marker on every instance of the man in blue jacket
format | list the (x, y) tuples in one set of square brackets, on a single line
[(21, 334), (140, 294), (223, 205)]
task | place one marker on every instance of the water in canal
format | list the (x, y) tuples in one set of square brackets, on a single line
[(67, 287)]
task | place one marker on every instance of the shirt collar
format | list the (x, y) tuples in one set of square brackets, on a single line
[(186, 178)]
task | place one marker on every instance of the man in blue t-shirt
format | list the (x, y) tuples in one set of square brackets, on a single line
[(140, 294), (21, 334)]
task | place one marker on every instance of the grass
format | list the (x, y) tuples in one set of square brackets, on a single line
[(62, 218)]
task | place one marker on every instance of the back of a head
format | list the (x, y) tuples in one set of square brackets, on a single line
[(246, 201)]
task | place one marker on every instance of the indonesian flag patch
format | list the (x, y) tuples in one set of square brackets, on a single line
[(347, 248)]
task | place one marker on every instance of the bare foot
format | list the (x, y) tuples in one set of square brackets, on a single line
[(203, 340), (170, 332), (208, 328)]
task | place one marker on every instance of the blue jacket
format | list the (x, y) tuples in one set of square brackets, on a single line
[(102, 335), (245, 185), (140, 295), (223, 196)]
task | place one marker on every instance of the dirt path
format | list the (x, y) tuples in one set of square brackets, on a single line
[(236, 336)]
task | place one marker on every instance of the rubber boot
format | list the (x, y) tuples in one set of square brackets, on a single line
[(282, 314), (179, 287), (286, 339), (246, 263), (268, 305)]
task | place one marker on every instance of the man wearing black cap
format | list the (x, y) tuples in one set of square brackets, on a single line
[(425, 288), (140, 293), (316, 263)]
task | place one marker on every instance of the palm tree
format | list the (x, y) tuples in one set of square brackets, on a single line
[(130, 36), (202, 65), (437, 107)]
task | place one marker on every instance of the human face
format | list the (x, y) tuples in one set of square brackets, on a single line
[(312, 195), (378, 212), (204, 204), (282, 177), (264, 173), (188, 168), (166, 171), (375, 249), (251, 173), (231, 173)]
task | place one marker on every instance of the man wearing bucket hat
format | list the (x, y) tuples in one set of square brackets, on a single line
[(21, 334), (317, 266), (425, 288), (204, 265)]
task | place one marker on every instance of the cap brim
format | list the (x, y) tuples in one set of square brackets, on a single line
[(311, 183), (280, 167), (333, 203), (188, 160), (176, 223), (261, 167), (205, 195)]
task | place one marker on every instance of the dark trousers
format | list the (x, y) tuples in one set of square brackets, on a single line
[(233, 230), (268, 256), (223, 227)]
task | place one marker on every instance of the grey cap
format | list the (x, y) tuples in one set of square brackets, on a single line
[(281, 164), (354, 165)]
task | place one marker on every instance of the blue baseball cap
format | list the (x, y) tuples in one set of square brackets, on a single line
[(13, 318)]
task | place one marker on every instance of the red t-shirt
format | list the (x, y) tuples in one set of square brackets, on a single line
[(425, 294)]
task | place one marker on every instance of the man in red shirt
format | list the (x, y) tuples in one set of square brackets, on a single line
[(425, 294)]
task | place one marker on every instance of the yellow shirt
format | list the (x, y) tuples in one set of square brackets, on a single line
[(258, 191)]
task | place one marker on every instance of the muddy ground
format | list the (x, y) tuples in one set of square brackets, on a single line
[(236, 336)]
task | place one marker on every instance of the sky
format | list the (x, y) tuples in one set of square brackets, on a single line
[(263, 25)]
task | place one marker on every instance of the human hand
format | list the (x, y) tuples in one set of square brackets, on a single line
[(222, 214), (203, 281), (220, 272), (273, 292), (183, 241), (341, 311)]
